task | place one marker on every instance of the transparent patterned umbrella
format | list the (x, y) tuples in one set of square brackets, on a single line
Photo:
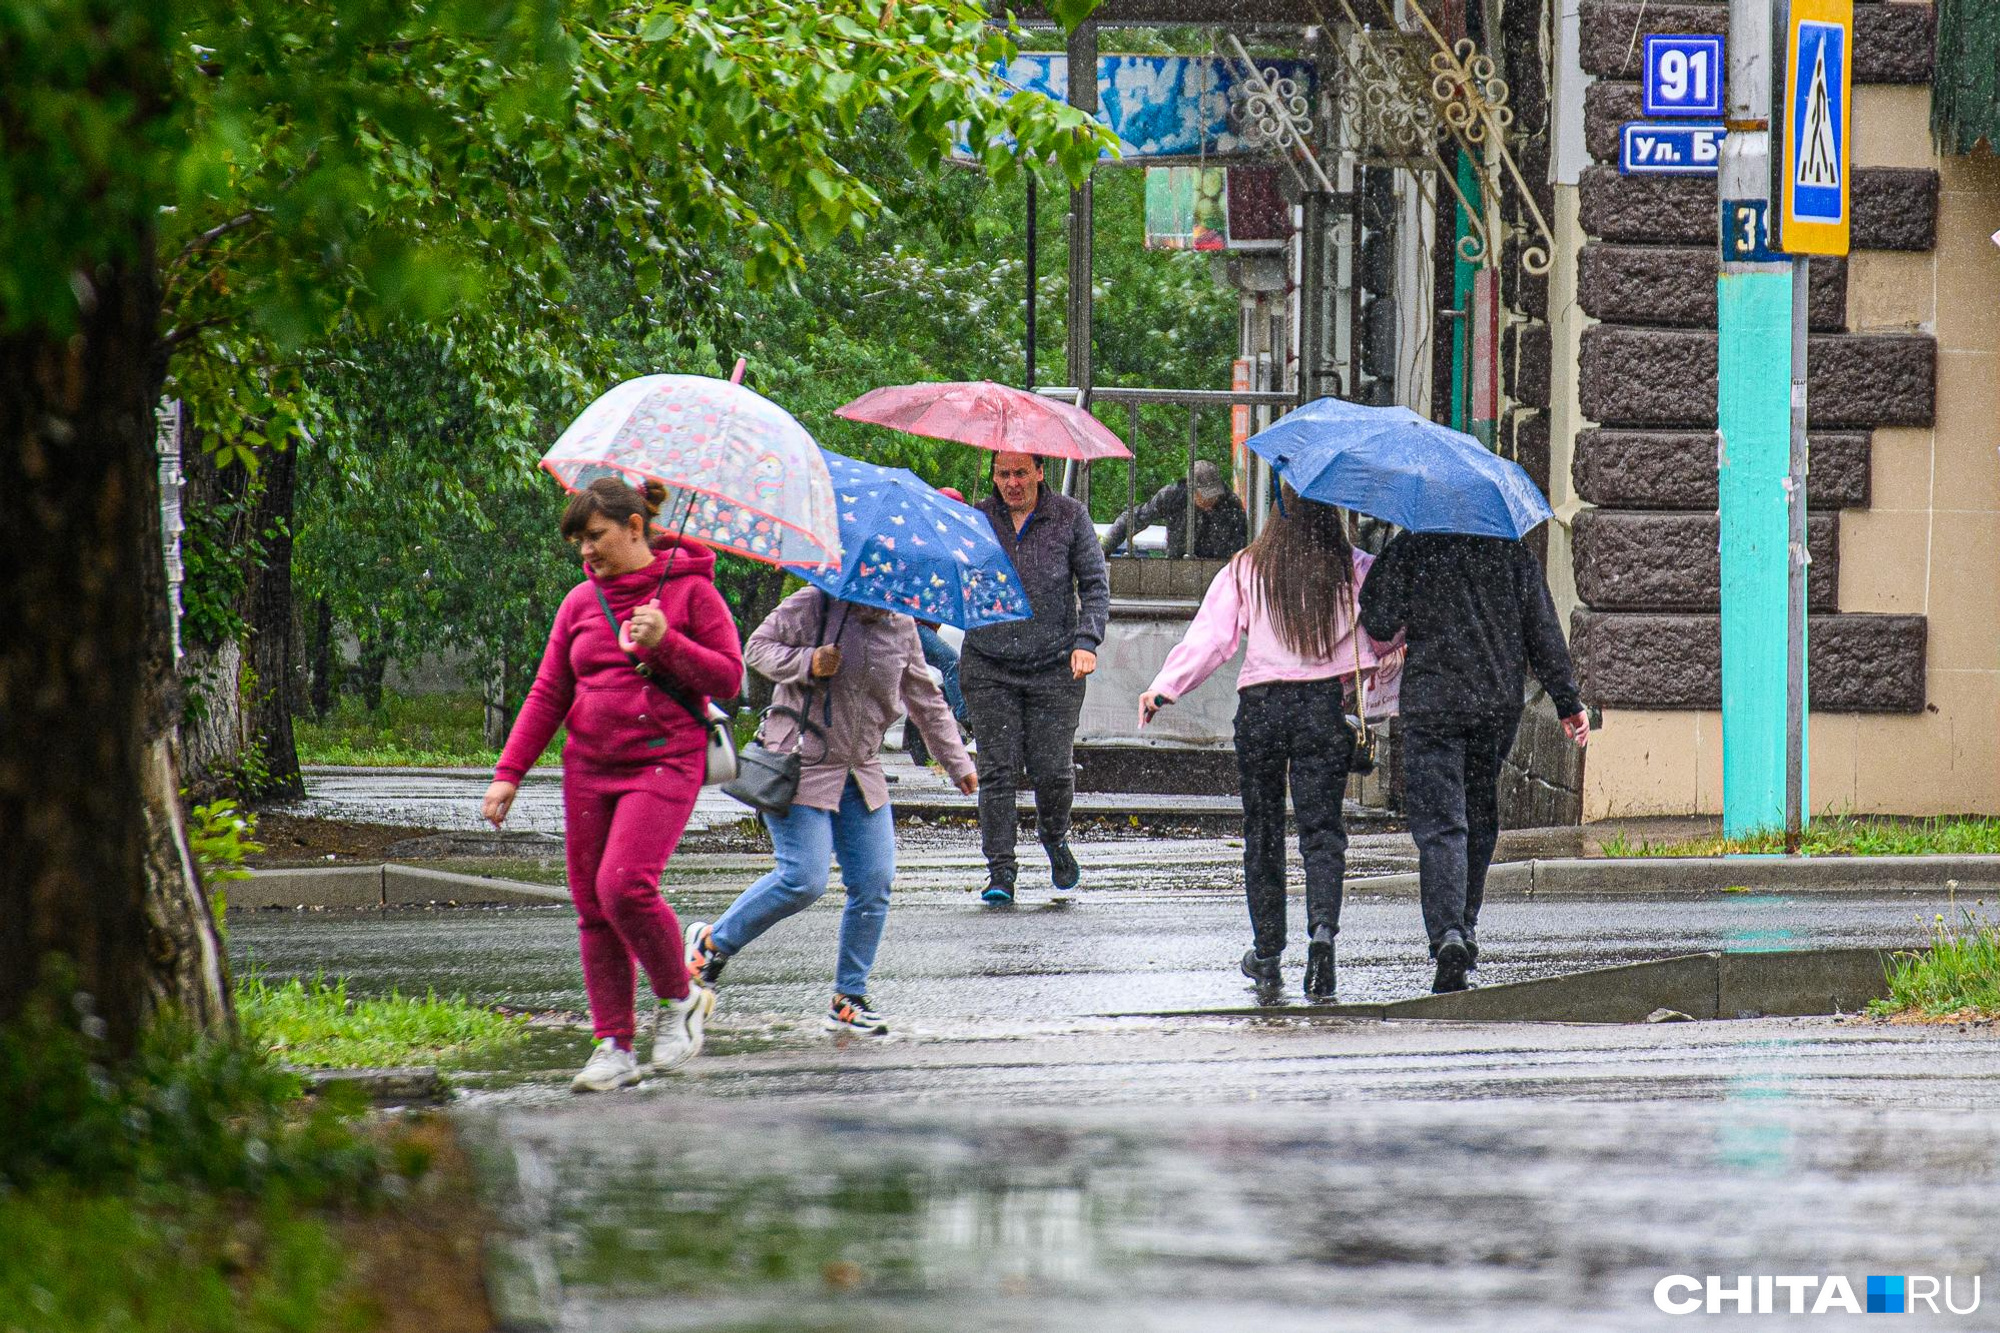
[(741, 474)]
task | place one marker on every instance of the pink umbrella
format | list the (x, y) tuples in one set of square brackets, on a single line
[(988, 416)]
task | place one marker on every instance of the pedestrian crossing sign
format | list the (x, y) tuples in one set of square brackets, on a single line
[(1815, 167)]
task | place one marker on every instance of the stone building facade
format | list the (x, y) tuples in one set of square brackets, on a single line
[(1904, 420)]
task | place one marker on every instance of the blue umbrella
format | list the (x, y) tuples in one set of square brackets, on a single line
[(911, 550), (1397, 466)]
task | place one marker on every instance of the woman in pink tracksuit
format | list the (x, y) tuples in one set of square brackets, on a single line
[(1293, 592), (634, 760)]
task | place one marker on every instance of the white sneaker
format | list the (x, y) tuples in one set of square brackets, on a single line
[(608, 1069), (678, 1032)]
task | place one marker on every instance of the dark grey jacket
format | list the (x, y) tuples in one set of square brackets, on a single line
[(1219, 532), (1061, 565), (1478, 617)]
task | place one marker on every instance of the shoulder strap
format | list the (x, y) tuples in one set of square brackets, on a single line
[(695, 711)]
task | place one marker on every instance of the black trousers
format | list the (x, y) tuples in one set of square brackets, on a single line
[(1451, 792), (1021, 722), (1297, 729)]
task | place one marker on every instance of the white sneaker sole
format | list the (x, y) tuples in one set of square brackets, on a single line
[(625, 1080), (832, 1024), (696, 1025)]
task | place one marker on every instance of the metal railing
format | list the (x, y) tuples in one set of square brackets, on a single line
[(1194, 400)]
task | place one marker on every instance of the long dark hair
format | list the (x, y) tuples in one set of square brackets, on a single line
[(1304, 569)]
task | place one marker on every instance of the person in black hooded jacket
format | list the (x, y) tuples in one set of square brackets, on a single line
[(1477, 616)]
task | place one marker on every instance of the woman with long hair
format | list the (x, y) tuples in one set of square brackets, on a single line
[(1293, 593), (637, 650)]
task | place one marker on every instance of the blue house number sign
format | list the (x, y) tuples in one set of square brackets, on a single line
[(1683, 77)]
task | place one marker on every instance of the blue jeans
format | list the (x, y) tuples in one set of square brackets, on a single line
[(806, 841), (938, 653)]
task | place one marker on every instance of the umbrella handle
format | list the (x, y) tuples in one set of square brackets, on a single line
[(736, 375)]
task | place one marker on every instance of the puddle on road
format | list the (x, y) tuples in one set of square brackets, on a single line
[(673, 1213)]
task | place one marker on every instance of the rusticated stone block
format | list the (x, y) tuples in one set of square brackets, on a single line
[(1531, 448), (1524, 291), (1524, 358), (1895, 208), (1892, 42), (1872, 379), (1666, 377), (1675, 286), (1636, 469), (1857, 663), (1633, 560), (1607, 105)]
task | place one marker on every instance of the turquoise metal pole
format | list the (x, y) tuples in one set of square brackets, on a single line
[(1753, 456), (1753, 447)]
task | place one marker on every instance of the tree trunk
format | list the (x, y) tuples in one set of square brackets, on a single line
[(213, 730), (371, 665), (269, 705), (93, 864), (320, 651)]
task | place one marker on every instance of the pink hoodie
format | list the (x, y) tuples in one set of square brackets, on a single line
[(617, 719), (1233, 608)]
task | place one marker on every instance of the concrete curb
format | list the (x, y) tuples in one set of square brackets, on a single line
[(1709, 874), (382, 886), (411, 1086), (1700, 985)]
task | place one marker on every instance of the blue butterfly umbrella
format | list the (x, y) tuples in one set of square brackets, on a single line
[(911, 550), (1398, 466)]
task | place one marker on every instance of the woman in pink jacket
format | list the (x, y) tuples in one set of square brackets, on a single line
[(1293, 592), (636, 652)]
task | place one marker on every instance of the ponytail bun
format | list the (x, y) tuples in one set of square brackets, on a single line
[(653, 494)]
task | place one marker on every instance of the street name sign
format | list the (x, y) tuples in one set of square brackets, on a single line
[(1669, 150), (1682, 77), (1814, 217)]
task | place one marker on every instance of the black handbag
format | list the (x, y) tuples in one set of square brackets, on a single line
[(767, 780)]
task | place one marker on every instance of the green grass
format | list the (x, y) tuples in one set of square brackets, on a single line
[(317, 1025), (79, 1261), (1841, 835), (407, 731), (1958, 974)]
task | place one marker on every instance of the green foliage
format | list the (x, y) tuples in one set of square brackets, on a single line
[(177, 1191), (82, 1262), (1957, 976), (187, 1114), (417, 731), (1840, 835), (318, 1025), (221, 836)]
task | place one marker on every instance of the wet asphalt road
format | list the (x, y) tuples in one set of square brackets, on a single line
[(1012, 1158), (949, 965)]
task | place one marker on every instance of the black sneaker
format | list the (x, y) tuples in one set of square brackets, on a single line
[(1064, 872), (1319, 965), (1453, 959), (1263, 971), (999, 893), (704, 961), (852, 1013)]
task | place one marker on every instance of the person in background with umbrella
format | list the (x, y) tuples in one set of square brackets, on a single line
[(1293, 593), (1477, 615), (636, 651), (1024, 680), (852, 685), (1221, 526)]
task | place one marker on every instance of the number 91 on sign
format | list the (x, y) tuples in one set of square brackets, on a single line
[(1669, 150)]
